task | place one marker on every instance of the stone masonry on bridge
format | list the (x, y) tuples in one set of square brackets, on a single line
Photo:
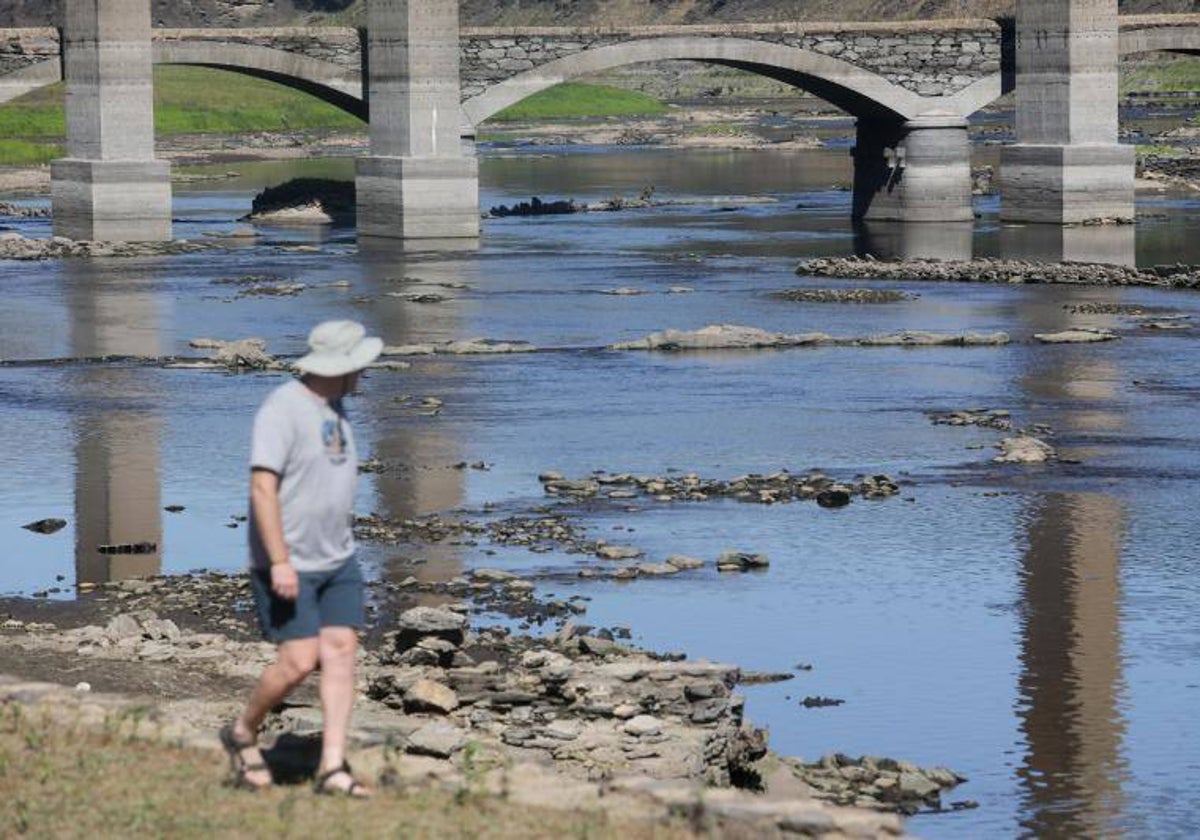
[(928, 58)]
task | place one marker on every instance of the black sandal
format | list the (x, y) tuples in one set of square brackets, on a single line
[(321, 785), (238, 767)]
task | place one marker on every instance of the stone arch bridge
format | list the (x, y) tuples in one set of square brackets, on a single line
[(911, 85)]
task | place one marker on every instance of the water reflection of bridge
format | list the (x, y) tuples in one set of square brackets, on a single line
[(119, 427), (1113, 245), (1071, 681), (123, 414)]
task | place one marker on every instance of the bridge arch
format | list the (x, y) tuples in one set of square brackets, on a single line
[(322, 79), (326, 81), (30, 78), (854, 90), (1177, 39)]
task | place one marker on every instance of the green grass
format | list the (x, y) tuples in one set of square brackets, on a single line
[(189, 100), (61, 779), (574, 100), (1161, 75), (1161, 151), (716, 130), (26, 153)]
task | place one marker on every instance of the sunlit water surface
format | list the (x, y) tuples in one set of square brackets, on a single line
[(1032, 628)]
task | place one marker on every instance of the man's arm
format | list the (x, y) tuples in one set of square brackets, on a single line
[(264, 498)]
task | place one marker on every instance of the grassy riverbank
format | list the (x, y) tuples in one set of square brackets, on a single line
[(1163, 75), (198, 100), (68, 781)]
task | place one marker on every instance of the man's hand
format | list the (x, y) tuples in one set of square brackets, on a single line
[(284, 581)]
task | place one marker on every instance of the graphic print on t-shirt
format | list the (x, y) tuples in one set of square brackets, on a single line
[(331, 436)]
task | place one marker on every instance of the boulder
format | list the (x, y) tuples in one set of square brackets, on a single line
[(618, 552), (642, 725), (438, 739), (1024, 449), (422, 622), (1080, 336), (740, 561), (45, 526), (682, 562), (428, 696)]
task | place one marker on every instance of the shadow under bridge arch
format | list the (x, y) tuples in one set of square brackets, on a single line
[(324, 80), (859, 92)]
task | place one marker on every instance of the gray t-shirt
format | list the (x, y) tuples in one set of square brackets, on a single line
[(307, 442)]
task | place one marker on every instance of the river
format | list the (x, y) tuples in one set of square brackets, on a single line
[(1034, 628)]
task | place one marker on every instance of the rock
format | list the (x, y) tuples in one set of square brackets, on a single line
[(161, 628), (642, 726), (123, 626), (762, 677), (833, 498), (915, 785), (740, 561), (306, 201), (45, 526), (1079, 336), (618, 552), (843, 295), (428, 696), (438, 739), (566, 487), (682, 562), (625, 711), (1024, 450), (484, 346), (597, 646), (658, 569), (492, 575), (244, 353), (420, 622), (562, 730), (818, 702), (408, 350), (720, 337), (911, 338)]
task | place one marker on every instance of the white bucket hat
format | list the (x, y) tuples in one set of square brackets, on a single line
[(337, 348)]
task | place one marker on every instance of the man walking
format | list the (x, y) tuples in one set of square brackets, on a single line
[(307, 586)]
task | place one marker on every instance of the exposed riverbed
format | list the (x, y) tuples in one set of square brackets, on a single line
[(1031, 627)]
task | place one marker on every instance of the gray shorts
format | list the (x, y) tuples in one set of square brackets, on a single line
[(326, 599)]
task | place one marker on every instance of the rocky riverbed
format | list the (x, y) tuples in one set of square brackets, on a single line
[(453, 692), (485, 669), (1001, 271)]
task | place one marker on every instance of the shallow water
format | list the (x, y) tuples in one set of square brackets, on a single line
[(1032, 628)]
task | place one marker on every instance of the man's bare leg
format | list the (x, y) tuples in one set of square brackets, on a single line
[(338, 647), (294, 661)]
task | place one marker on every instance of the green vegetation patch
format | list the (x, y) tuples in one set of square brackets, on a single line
[(190, 100), (717, 130), (1162, 151), (575, 100), (26, 153), (1161, 75), (61, 779)]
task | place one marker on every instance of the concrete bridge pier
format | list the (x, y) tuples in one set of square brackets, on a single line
[(110, 187), (914, 171), (1067, 166), (419, 181)]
